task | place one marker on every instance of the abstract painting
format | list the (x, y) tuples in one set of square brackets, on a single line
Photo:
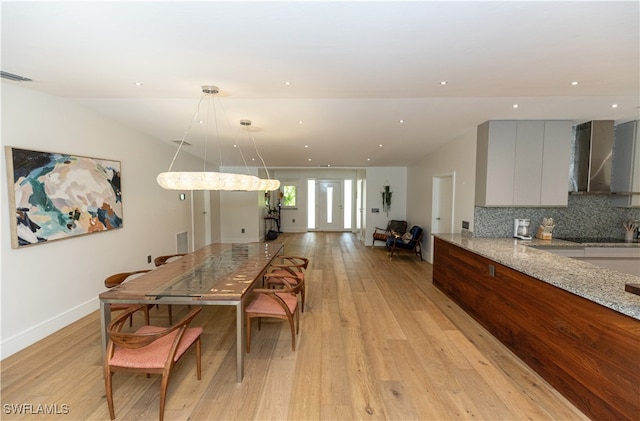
[(56, 196)]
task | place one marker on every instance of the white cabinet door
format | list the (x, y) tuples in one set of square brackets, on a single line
[(495, 163), (528, 163), (523, 163)]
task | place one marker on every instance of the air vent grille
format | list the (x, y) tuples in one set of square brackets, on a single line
[(185, 143), (11, 76)]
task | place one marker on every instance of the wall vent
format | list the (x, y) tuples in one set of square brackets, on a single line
[(16, 78), (182, 242)]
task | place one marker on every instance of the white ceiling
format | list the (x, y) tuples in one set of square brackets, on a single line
[(355, 69)]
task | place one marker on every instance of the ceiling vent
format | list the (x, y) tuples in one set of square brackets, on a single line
[(16, 78), (184, 142)]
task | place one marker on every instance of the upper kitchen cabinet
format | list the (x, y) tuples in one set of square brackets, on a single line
[(625, 167), (523, 163)]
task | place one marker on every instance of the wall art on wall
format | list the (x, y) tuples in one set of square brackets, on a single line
[(56, 196)]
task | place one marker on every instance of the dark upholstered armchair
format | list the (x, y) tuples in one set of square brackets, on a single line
[(411, 243), (393, 226)]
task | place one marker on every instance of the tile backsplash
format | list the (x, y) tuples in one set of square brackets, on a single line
[(585, 216)]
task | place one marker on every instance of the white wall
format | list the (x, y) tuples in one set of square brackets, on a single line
[(377, 177), (457, 156), (241, 210), (45, 287)]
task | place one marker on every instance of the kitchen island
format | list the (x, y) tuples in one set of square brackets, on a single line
[(570, 321)]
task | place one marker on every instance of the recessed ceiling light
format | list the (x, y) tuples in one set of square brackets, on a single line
[(368, 159), (138, 83), (300, 122), (380, 145), (574, 83), (444, 82), (401, 121), (201, 121), (306, 146), (309, 159), (515, 105), (287, 83), (614, 105)]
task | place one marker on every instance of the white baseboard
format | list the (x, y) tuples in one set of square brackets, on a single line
[(10, 346)]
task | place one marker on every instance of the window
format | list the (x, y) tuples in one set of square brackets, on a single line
[(289, 196)]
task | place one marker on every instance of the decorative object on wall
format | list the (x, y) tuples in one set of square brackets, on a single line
[(57, 196), (386, 199), (211, 180)]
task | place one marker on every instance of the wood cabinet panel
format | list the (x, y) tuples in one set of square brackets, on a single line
[(586, 351)]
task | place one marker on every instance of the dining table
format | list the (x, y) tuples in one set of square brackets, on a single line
[(216, 274)]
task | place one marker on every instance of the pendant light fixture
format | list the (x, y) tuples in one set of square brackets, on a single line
[(211, 180)]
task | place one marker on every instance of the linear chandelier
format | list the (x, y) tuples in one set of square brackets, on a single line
[(212, 180)]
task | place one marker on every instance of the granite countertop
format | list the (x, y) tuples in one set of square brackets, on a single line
[(603, 286)]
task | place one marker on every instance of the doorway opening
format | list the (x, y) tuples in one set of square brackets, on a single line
[(442, 212)]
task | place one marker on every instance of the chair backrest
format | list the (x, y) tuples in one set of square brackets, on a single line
[(118, 278), (416, 234), (163, 260), (139, 340), (396, 226)]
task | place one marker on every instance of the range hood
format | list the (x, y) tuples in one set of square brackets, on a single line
[(591, 158)]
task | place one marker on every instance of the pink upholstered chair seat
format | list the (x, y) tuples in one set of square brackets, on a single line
[(263, 304), (155, 354), (150, 350)]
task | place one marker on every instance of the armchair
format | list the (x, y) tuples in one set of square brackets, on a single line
[(393, 226), (411, 244)]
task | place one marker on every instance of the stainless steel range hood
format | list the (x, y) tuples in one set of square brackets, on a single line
[(591, 158)]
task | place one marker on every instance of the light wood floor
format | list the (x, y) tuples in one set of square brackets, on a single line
[(377, 341)]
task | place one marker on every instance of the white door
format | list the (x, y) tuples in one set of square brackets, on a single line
[(201, 223), (329, 206), (442, 212), (443, 204)]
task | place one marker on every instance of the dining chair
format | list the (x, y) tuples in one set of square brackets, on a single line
[(293, 266), (163, 260), (150, 350), (117, 279), (275, 303)]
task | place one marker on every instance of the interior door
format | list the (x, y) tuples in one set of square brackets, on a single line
[(201, 223), (443, 208), (443, 217), (329, 206)]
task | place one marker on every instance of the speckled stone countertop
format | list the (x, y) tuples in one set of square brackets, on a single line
[(600, 285)]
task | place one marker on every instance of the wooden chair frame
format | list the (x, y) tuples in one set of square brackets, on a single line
[(118, 278), (276, 295), (295, 267), (393, 226), (415, 249), (140, 340)]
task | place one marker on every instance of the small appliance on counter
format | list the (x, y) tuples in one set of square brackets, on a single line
[(521, 228), (545, 231), (630, 230)]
